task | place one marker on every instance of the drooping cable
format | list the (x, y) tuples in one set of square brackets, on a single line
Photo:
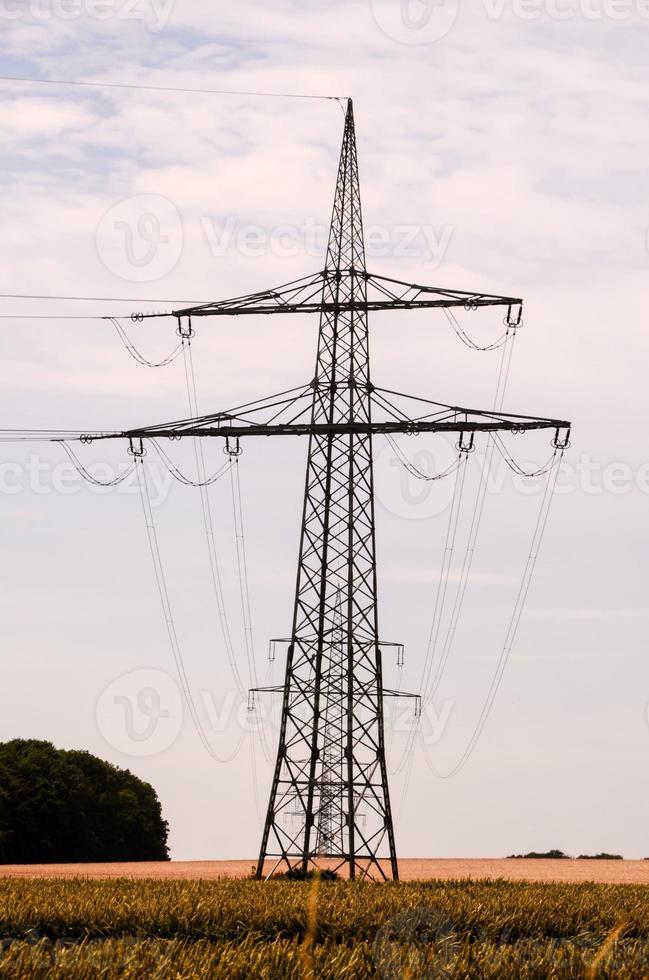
[(444, 573), (409, 757), (208, 524), (516, 468), (390, 716), (255, 781), (514, 620), (414, 470), (440, 601), (136, 354), (407, 751), (181, 477), (244, 589), (163, 592), (242, 569), (474, 528), (466, 340), (88, 477)]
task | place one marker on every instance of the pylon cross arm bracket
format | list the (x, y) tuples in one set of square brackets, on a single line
[(446, 419), (308, 295), (289, 413), (228, 426), (303, 294)]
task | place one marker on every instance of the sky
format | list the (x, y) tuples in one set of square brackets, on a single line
[(503, 147)]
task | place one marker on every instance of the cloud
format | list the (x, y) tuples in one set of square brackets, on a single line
[(527, 140)]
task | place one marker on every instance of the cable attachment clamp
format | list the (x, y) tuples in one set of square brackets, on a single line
[(466, 443), (136, 448), (232, 448), (185, 332), (560, 443), (514, 320)]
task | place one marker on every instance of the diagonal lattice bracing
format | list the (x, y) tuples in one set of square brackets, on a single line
[(331, 743)]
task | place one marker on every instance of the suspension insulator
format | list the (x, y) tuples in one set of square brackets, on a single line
[(136, 448), (514, 320), (560, 443), (466, 445), (232, 448), (185, 332)]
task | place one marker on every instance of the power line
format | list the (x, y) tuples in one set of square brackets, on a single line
[(45, 316), (161, 582), (514, 622), (94, 299), (169, 88), (81, 299), (137, 355)]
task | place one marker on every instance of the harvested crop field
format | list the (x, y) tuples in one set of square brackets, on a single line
[(54, 928), (411, 869)]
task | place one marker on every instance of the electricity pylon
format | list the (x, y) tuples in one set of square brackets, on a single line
[(330, 772)]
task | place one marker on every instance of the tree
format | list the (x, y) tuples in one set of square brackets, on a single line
[(59, 806)]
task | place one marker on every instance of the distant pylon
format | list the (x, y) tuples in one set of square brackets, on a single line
[(331, 818)]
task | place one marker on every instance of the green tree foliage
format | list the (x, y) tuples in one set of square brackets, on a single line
[(58, 805)]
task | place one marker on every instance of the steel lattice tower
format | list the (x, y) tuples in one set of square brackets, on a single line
[(330, 781), (337, 559)]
